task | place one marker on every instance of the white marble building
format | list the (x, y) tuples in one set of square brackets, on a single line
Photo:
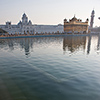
[(26, 26)]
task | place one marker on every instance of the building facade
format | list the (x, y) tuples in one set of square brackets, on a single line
[(26, 26), (75, 26)]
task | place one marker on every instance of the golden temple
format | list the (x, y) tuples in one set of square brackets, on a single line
[(75, 26)]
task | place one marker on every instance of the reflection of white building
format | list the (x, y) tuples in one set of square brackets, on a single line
[(26, 26)]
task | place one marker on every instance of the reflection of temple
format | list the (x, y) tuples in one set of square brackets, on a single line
[(98, 45), (89, 45), (11, 44), (74, 43), (27, 44), (70, 43)]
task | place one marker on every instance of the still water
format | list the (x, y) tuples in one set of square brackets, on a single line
[(50, 68)]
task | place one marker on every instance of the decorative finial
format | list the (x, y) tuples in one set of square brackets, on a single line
[(74, 15)]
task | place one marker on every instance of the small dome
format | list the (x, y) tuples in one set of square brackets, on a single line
[(24, 15), (65, 20), (19, 23), (74, 18), (87, 19), (30, 23)]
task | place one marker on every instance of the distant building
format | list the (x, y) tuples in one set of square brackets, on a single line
[(26, 26), (92, 19), (75, 26), (95, 30)]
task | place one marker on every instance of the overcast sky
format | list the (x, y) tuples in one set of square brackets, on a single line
[(48, 11)]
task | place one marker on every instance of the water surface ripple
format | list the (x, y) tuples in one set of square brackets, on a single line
[(50, 68)]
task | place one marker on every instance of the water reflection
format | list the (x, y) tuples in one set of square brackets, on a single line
[(70, 43), (89, 44), (47, 74), (98, 43), (27, 44), (73, 44)]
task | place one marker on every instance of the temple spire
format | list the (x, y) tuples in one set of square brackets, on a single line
[(74, 15), (92, 18)]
